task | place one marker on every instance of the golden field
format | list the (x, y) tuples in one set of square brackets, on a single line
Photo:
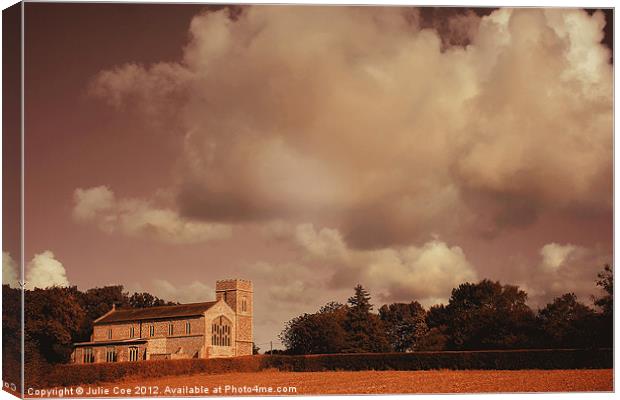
[(358, 382)]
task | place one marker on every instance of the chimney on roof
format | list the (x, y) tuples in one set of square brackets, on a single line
[(113, 306)]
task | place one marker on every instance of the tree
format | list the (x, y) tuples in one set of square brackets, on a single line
[(11, 334), (255, 348), (145, 300), (276, 351), (332, 307), (437, 317), (318, 333), (405, 325), (605, 331), (606, 282), (565, 323), (97, 301), (331, 318), (365, 331), (437, 320), (434, 340), (53, 316), (488, 315)]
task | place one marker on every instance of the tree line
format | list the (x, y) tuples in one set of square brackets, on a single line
[(483, 315), (479, 316)]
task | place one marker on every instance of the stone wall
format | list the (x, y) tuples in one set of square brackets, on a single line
[(161, 327), (156, 346), (122, 352), (244, 349), (244, 328), (220, 351), (121, 330), (186, 347)]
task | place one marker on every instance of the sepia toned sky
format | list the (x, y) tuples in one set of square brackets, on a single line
[(313, 148)]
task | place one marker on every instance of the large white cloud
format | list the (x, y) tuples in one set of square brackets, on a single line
[(564, 268), (425, 273), (136, 217), (393, 134), (44, 270), (9, 271), (90, 203), (554, 255)]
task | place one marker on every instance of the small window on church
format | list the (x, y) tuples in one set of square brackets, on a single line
[(132, 331), (87, 355), (170, 329), (188, 328), (133, 353), (151, 330), (244, 305), (110, 333), (110, 354)]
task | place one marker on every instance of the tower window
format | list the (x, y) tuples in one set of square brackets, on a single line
[(132, 331), (244, 305), (110, 333), (188, 327), (170, 329), (151, 330)]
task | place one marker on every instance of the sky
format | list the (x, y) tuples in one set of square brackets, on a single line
[(309, 149)]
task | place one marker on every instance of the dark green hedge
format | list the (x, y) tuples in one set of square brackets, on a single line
[(78, 374), (507, 360), (70, 375)]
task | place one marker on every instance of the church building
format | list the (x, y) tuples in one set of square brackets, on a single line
[(220, 328)]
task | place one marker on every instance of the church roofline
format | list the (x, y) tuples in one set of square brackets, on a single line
[(106, 314), (154, 313)]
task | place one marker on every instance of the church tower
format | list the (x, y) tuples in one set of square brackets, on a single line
[(239, 295)]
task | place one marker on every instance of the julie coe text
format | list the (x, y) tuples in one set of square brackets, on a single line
[(182, 390)]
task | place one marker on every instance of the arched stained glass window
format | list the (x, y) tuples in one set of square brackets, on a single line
[(221, 331)]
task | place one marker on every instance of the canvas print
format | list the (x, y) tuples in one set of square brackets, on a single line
[(287, 200)]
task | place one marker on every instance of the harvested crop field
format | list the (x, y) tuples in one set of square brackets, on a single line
[(363, 382)]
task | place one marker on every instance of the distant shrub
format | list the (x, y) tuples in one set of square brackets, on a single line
[(78, 374)]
